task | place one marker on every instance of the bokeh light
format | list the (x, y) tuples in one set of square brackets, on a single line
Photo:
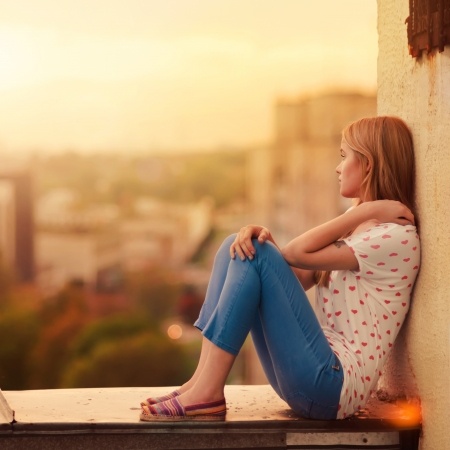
[(175, 331)]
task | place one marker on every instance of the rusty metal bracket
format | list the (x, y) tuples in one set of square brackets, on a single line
[(428, 26)]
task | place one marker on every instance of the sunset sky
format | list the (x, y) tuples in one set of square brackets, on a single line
[(171, 74)]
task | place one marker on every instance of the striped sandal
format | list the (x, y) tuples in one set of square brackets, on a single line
[(154, 400), (173, 411)]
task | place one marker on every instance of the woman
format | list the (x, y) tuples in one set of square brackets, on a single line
[(323, 363)]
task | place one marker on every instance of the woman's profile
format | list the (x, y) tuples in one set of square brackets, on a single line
[(324, 362)]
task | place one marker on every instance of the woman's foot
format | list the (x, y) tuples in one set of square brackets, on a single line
[(181, 390), (173, 410), (154, 400)]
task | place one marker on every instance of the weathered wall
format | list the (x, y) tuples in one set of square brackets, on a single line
[(418, 90)]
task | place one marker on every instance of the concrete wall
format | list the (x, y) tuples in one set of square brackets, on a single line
[(418, 90)]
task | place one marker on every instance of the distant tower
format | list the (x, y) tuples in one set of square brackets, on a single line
[(7, 224), (17, 223)]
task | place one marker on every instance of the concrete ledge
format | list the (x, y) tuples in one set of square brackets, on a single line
[(256, 418)]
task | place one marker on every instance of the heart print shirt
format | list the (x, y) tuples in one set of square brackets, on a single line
[(361, 311)]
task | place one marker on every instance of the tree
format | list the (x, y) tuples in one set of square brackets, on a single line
[(147, 359), (154, 292), (114, 328), (62, 321), (18, 333)]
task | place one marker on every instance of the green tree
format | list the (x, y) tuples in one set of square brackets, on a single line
[(148, 359), (18, 333), (62, 321), (6, 285), (155, 293), (114, 328)]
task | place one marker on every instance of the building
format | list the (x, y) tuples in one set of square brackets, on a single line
[(76, 245), (95, 245), (88, 254), (164, 234), (17, 223), (7, 225), (416, 87), (293, 183)]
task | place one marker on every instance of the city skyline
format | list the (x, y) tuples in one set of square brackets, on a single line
[(171, 75)]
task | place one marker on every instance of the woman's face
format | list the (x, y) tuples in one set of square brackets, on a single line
[(350, 173)]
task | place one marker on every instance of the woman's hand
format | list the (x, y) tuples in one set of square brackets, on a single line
[(389, 211), (242, 245)]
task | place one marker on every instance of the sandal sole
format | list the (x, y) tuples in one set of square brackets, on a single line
[(193, 418)]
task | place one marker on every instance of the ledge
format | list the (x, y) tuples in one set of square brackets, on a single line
[(256, 418)]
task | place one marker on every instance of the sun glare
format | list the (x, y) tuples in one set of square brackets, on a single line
[(202, 76), (17, 58)]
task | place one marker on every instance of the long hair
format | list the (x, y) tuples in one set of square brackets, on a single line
[(383, 144)]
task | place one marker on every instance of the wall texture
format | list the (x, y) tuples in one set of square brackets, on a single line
[(418, 90)]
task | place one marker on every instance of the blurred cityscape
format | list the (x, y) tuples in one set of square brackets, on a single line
[(105, 258)]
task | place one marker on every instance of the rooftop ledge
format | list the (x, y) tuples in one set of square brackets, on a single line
[(108, 418)]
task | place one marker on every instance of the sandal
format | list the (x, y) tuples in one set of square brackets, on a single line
[(173, 410), (154, 400)]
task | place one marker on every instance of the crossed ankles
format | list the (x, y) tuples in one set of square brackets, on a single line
[(172, 410)]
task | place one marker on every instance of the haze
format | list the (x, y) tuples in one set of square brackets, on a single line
[(152, 75)]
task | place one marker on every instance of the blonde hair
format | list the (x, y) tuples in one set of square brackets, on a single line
[(383, 144)]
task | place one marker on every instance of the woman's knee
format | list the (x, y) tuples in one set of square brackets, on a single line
[(226, 243), (224, 249), (229, 239), (266, 248)]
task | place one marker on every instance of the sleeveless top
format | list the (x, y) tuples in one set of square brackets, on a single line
[(361, 311)]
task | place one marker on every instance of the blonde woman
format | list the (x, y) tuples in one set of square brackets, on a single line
[(324, 363)]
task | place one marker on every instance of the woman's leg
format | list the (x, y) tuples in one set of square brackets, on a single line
[(265, 295), (217, 279), (293, 349), (215, 285), (294, 352), (216, 282), (206, 346), (205, 400), (210, 383)]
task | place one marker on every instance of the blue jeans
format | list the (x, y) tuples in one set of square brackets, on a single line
[(264, 297)]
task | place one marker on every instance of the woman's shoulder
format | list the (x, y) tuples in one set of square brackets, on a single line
[(384, 233), (393, 230), (366, 226), (386, 247), (386, 230)]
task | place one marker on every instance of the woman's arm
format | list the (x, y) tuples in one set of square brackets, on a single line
[(321, 249)]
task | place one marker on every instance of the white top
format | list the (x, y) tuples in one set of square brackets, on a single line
[(361, 311)]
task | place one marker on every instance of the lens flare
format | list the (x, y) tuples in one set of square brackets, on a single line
[(408, 414), (174, 331)]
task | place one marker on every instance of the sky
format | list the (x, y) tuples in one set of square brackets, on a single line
[(171, 75)]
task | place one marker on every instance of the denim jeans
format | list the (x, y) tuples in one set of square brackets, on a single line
[(263, 296)]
